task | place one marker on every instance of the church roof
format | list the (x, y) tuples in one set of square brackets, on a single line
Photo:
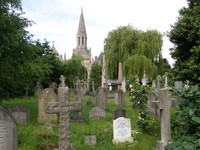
[(81, 28)]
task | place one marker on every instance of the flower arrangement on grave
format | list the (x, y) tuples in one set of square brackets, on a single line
[(139, 98)]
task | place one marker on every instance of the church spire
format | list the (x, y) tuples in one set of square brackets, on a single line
[(81, 37)]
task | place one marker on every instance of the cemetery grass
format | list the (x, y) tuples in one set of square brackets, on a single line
[(35, 137)]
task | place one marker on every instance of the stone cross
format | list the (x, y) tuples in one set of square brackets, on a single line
[(164, 103), (63, 107)]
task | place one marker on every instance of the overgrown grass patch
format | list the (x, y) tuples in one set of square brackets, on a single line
[(35, 137)]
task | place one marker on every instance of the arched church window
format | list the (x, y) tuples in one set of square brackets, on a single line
[(82, 40), (79, 40)]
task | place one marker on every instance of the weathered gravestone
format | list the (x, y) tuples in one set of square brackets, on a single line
[(122, 131), (47, 95), (97, 113), (101, 98), (164, 104), (63, 107), (119, 113), (90, 140), (76, 115), (54, 87), (154, 84), (8, 131), (152, 96), (21, 114), (38, 89), (178, 85)]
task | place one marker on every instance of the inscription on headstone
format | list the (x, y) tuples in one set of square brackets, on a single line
[(122, 131), (8, 131)]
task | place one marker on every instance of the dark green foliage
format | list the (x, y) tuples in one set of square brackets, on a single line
[(185, 35), (95, 75), (186, 124), (15, 48), (184, 143)]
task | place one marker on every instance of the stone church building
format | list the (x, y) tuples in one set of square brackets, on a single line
[(81, 45)]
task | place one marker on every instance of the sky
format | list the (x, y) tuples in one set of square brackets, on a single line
[(58, 20)]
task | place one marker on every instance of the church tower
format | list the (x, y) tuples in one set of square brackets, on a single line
[(81, 45)]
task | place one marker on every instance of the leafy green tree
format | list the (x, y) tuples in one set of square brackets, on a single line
[(15, 48), (138, 51), (44, 65), (73, 68), (185, 36), (95, 75)]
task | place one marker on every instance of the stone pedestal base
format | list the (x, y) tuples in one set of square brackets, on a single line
[(119, 141), (159, 146)]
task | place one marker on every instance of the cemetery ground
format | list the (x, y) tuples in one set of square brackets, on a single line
[(35, 136)]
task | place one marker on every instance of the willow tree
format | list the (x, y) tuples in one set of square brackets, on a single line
[(138, 51)]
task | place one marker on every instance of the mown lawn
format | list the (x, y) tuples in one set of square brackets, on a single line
[(35, 137)]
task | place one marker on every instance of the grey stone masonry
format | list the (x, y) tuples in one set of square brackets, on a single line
[(8, 131), (164, 103), (21, 114), (90, 140), (63, 107), (101, 98)]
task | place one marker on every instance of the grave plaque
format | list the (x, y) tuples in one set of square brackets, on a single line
[(8, 131), (21, 114), (90, 140), (122, 131)]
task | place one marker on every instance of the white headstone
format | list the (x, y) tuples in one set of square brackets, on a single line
[(122, 131)]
